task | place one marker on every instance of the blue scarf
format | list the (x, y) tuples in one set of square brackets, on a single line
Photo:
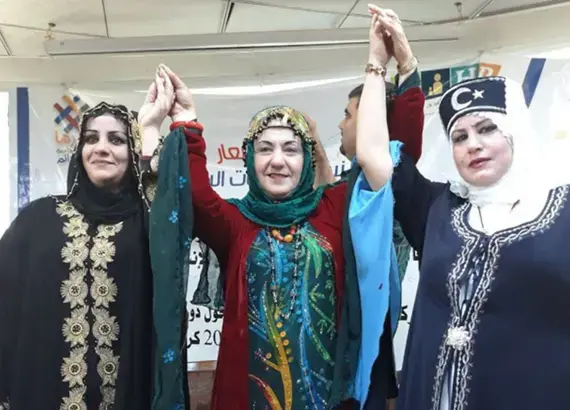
[(371, 219)]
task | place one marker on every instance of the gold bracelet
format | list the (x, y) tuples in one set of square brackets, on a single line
[(375, 69)]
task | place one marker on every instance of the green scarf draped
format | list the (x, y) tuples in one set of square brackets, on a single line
[(256, 205), (171, 221)]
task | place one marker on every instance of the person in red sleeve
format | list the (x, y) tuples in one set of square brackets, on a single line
[(280, 251)]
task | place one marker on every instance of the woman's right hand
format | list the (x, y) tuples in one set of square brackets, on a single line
[(184, 107), (158, 102), (381, 46), (394, 34)]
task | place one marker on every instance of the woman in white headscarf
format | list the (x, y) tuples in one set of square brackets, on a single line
[(491, 321)]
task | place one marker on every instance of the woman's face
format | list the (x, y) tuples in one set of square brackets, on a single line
[(278, 159), (482, 153), (105, 153)]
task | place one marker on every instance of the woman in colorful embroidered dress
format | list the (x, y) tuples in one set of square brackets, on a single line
[(286, 289), (76, 285), (490, 323), (281, 249)]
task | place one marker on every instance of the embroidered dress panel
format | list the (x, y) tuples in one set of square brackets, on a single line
[(291, 356), (89, 292), (469, 284)]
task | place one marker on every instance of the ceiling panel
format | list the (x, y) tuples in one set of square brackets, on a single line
[(248, 18), (421, 10), (134, 18), (335, 7), (356, 22), (71, 16), (29, 43), (497, 5)]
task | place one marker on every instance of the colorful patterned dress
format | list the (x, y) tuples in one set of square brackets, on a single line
[(292, 342)]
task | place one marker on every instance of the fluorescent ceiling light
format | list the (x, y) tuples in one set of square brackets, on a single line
[(214, 42), (268, 89)]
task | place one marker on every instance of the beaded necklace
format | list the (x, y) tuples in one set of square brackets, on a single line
[(293, 235)]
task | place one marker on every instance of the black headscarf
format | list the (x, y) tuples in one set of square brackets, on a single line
[(102, 205)]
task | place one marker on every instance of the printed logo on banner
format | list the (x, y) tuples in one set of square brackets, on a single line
[(67, 125), (435, 82), (488, 69), (462, 73)]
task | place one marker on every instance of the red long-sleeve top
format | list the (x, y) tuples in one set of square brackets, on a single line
[(224, 228)]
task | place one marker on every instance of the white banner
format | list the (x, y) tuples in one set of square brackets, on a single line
[(53, 115)]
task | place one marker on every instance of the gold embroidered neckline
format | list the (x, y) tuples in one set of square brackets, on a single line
[(88, 257)]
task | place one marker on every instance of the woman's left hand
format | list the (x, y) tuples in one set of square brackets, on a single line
[(158, 102)]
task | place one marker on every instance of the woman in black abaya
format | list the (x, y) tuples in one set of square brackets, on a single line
[(76, 328)]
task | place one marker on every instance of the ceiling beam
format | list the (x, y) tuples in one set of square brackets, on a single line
[(5, 44), (227, 13), (104, 8), (477, 12), (347, 15)]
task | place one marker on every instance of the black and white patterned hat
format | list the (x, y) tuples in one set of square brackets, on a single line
[(475, 95)]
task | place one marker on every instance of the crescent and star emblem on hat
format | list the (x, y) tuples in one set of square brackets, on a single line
[(460, 92)]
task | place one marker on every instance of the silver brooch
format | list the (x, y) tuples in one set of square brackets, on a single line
[(457, 337)]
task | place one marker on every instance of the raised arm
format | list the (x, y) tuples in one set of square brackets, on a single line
[(413, 194), (215, 221), (372, 137), (406, 113)]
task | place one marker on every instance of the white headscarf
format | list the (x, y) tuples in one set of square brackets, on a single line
[(529, 171)]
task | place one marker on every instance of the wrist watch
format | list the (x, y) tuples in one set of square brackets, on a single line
[(410, 65)]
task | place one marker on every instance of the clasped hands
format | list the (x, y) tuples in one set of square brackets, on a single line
[(166, 96), (387, 38), (169, 96)]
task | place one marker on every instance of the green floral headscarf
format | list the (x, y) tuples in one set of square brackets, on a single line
[(256, 205)]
